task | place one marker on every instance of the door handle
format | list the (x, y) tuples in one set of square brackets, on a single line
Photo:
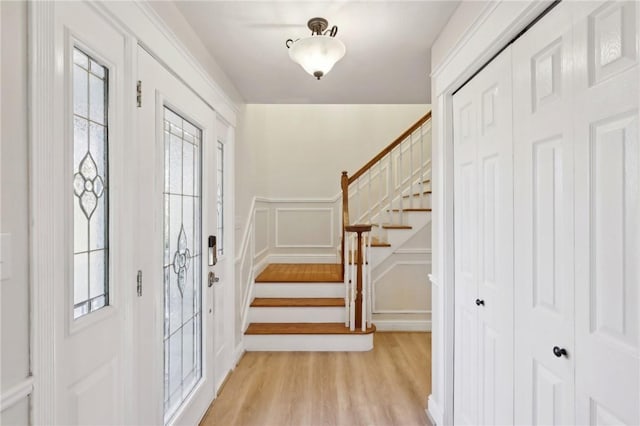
[(559, 352), (479, 302), (212, 279)]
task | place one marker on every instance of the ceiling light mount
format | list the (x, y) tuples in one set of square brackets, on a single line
[(318, 53)]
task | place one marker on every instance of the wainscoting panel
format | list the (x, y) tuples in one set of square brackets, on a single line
[(261, 232), (298, 227), (403, 288)]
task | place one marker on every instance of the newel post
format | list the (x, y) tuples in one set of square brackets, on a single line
[(344, 184), (359, 229)]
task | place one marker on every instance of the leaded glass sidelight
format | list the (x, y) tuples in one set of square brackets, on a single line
[(182, 260), (220, 197), (90, 185)]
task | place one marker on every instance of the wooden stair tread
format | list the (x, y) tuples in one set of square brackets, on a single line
[(392, 226), (301, 273), (302, 302), (304, 328), (411, 210), (380, 244), (416, 194)]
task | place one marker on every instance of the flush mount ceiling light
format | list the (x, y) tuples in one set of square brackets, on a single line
[(318, 53)]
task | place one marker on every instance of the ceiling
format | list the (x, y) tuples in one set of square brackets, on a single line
[(388, 48)]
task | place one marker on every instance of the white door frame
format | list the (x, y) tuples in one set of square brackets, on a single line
[(497, 24), (142, 25), (226, 135)]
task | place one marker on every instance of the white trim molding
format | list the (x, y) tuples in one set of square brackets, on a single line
[(44, 236), (413, 251), (238, 353), (16, 393), (434, 412), (255, 232), (403, 325), (302, 258)]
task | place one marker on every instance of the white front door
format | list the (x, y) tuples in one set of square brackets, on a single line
[(177, 143), (484, 246), (90, 190)]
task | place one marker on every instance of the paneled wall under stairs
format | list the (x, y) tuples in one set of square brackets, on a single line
[(308, 231)]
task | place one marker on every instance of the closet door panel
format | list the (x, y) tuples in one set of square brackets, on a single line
[(607, 221), (495, 240), (542, 67), (466, 316), (484, 246)]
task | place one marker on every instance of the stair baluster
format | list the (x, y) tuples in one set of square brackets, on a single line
[(422, 197), (410, 172)]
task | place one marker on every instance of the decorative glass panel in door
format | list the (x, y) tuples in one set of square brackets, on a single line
[(182, 260), (90, 185)]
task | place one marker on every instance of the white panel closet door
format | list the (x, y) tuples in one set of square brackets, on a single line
[(607, 217), (484, 246), (544, 294), (466, 280)]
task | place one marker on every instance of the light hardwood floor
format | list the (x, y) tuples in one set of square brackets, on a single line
[(386, 386)]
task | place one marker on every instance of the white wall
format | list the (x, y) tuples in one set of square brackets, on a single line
[(463, 17), (178, 25), (14, 214)]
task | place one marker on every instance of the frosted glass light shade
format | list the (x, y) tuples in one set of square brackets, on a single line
[(317, 54)]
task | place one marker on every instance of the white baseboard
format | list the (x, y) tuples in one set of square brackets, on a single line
[(258, 267), (238, 353), (302, 258), (246, 303), (309, 342), (402, 325), (433, 412)]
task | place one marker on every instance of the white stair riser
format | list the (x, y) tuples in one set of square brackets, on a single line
[(297, 314), (308, 342), (299, 290), (417, 203)]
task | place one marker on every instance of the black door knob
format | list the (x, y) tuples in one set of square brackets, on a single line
[(479, 302), (559, 351)]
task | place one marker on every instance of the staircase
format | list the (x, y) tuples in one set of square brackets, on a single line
[(327, 307), (301, 307)]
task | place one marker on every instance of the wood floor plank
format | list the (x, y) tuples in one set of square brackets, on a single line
[(297, 302), (300, 272), (386, 386)]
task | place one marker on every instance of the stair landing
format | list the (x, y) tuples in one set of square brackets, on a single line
[(301, 273)]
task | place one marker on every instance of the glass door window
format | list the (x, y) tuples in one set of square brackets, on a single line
[(182, 260)]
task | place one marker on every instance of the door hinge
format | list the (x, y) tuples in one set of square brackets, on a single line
[(139, 93), (139, 284)]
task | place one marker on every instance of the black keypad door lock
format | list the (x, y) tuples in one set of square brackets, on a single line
[(213, 250)]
